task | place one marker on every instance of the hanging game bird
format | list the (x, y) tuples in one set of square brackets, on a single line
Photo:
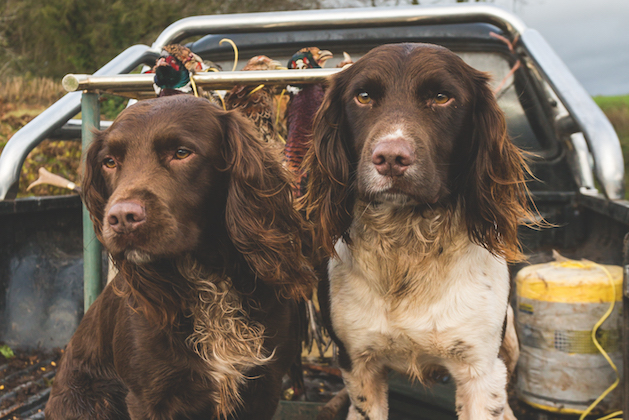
[(347, 60), (173, 70), (304, 102), (302, 106), (309, 58), (257, 102)]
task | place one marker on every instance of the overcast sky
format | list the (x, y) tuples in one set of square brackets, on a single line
[(591, 36)]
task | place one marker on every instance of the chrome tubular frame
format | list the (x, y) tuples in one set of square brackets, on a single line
[(339, 18), (598, 132), (141, 83)]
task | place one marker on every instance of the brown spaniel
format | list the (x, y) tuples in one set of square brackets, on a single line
[(416, 192), (200, 322)]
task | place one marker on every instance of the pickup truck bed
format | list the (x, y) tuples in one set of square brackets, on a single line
[(574, 157)]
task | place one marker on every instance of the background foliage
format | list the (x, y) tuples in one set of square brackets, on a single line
[(616, 108), (42, 40), (54, 37)]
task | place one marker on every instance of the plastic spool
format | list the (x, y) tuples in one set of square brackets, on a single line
[(558, 303)]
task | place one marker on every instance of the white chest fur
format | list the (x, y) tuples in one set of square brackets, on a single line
[(417, 292)]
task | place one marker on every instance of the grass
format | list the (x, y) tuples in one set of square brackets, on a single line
[(616, 108), (21, 100), (612, 102), (20, 91)]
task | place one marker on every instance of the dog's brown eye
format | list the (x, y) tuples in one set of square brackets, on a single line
[(363, 98), (441, 98), (109, 163), (182, 153)]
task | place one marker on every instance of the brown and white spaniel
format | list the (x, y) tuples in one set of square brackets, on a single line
[(416, 193), (201, 321)]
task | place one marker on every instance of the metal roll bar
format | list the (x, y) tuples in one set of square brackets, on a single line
[(598, 132), (339, 18), (600, 136)]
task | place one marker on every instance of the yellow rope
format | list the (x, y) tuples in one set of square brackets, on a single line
[(212, 69), (609, 416), (277, 115), (194, 86), (279, 105), (604, 353), (255, 90), (222, 101), (233, 44)]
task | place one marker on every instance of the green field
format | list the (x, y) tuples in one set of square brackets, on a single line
[(617, 110), (612, 102)]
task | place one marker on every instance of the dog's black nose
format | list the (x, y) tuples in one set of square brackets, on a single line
[(392, 157), (126, 216)]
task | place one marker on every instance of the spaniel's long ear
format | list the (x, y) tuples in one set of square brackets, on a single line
[(93, 187), (261, 220), (329, 197), (495, 191)]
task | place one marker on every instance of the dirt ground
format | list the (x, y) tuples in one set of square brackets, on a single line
[(24, 376)]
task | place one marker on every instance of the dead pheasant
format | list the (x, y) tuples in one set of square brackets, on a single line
[(257, 102), (302, 106), (347, 60), (173, 70)]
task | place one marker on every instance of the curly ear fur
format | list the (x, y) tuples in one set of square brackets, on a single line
[(329, 197), (93, 187), (494, 190), (260, 218)]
